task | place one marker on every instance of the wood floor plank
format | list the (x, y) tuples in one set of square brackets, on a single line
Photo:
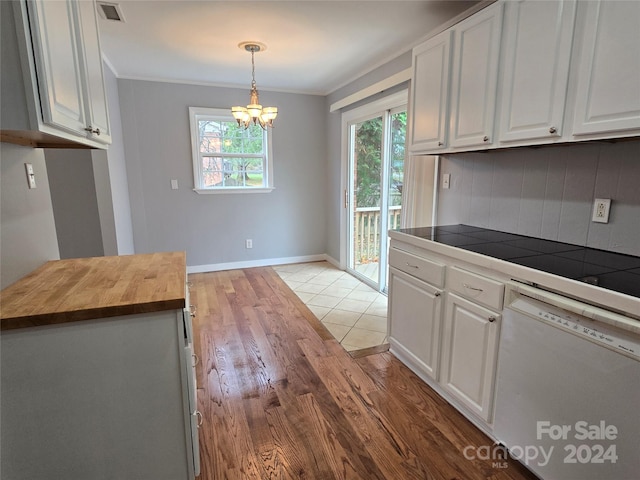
[(380, 438), (225, 404), (281, 398), (325, 438)]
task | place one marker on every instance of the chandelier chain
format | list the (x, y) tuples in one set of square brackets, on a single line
[(254, 112), (253, 67)]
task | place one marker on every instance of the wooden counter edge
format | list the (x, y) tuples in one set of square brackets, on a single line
[(14, 319), (57, 318)]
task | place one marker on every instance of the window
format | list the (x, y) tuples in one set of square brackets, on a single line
[(227, 157)]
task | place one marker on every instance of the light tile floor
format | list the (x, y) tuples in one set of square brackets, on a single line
[(354, 313)]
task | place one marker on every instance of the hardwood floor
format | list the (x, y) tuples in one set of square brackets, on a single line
[(282, 399)]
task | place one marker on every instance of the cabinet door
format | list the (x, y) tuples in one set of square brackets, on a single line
[(538, 42), (194, 415), (430, 93), (96, 95), (608, 91), (474, 76), (55, 49), (414, 320), (469, 354)]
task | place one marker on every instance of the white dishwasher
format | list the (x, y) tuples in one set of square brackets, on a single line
[(568, 388)]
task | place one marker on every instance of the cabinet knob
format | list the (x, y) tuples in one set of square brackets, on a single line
[(553, 130), (440, 144), (92, 130), (486, 138), (491, 319), (437, 294)]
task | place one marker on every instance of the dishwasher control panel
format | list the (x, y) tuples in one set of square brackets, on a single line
[(597, 332)]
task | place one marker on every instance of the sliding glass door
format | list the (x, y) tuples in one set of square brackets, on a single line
[(376, 150)]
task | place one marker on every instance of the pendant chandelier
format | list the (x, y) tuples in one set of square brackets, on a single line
[(254, 112)]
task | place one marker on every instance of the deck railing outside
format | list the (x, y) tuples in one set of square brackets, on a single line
[(366, 225)]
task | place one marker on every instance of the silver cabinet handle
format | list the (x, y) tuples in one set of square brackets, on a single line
[(192, 310), (92, 130), (552, 130), (196, 359), (492, 319), (486, 138), (200, 420), (412, 266), (472, 288)]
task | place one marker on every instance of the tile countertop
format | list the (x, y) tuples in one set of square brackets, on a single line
[(62, 291), (608, 279)]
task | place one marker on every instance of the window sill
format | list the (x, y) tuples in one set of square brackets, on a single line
[(206, 191)]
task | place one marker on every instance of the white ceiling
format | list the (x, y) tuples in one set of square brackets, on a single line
[(312, 46)]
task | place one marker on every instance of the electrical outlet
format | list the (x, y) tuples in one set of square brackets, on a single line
[(601, 207), (248, 243)]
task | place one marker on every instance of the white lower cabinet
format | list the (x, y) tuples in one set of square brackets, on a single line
[(110, 398), (415, 317), (446, 329), (191, 360), (469, 354)]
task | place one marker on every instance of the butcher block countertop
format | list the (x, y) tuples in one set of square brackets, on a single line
[(62, 291)]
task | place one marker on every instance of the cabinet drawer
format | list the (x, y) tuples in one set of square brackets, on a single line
[(417, 266), (475, 287)]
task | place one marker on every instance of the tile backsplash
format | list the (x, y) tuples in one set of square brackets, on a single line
[(548, 192)]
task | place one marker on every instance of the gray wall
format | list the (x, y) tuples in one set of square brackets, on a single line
[(104, 200), (27, 228), (117, 171), (75, 203), (548, 192), (288, 222)]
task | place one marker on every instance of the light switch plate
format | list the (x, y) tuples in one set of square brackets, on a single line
[(446, 180), (31, 176), (174, 184), (601, 207)]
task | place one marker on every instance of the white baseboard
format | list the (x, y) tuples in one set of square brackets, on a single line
[(217, 267)]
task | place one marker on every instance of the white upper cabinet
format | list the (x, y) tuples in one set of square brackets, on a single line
[(554, 71), (60, 66), (430, 93), (608, 88), (92, 58), (474, 78), (537, 43), (57, 64)]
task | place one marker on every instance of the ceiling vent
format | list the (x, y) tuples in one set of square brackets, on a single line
[(110, 11)]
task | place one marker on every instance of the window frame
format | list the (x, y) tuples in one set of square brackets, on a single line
[(198, 113)]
